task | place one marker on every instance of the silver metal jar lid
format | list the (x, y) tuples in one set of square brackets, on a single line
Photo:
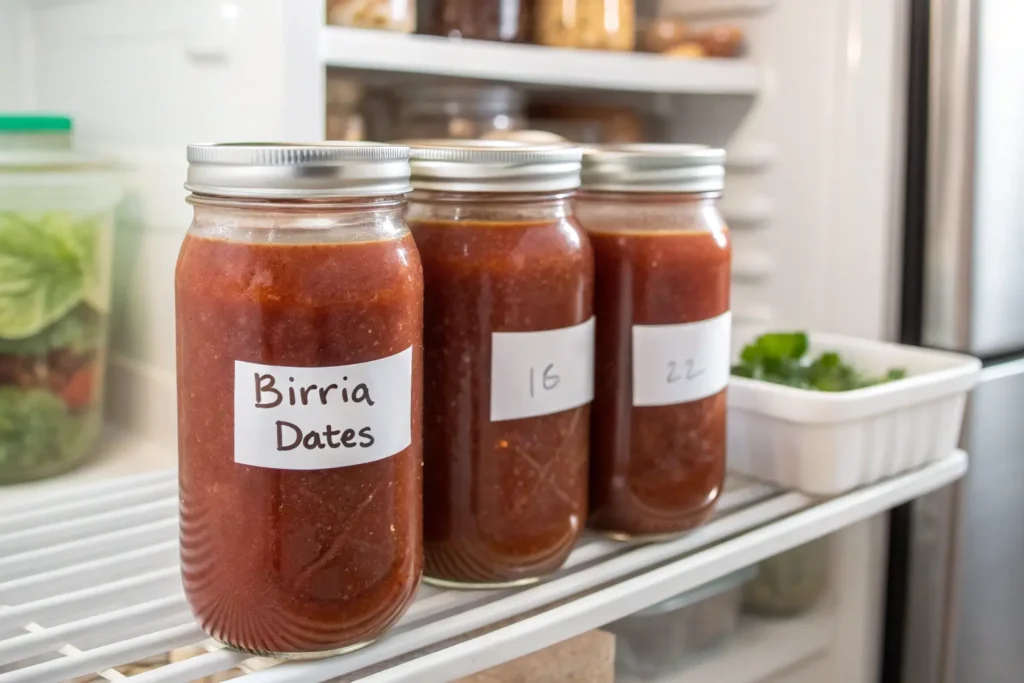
[(653, 168), (298, 171), (493, 166)]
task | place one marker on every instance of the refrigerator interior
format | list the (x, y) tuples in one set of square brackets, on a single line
[(811, 119)]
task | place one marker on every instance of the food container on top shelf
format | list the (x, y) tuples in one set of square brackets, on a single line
[(657, 641), (588, 122), (458, 111), (344, 118), (389, 15), (828, 442), (56, 229), (590, 24), (791, 582), (507, 21)]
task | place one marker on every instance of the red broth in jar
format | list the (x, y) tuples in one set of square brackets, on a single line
[(508, 361), (662, 276), (299, 340)]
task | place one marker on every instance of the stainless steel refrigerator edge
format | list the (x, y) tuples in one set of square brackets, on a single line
[(964, 618)]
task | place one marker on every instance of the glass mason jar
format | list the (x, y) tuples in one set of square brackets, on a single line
[(503, 20), (590, 24), (459, 111), (345, 120), (662, 267), (56, 247), (508, 358), (390, 15), (792, 582), (299, 298)]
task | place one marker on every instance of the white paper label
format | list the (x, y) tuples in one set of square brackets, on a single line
[(540, 373), (680, 363), (320, 418)]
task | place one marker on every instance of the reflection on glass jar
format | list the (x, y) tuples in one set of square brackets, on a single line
[(390, 15), (299, 299), (508, 358), (591, 24), (56, 232), (502, 20), (458, 111), (662, 272)]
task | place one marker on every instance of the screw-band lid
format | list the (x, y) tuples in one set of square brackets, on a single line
[(297, 170), (653, 168)]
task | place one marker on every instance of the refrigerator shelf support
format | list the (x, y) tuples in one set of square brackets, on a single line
[(113, 596)]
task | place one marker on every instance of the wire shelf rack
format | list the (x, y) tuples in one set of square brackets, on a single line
[(90, 590)]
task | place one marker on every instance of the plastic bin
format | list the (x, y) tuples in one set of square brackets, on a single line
[(827, 443)]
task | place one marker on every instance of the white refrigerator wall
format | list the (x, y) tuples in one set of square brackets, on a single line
[(813, 190), (15, 53)]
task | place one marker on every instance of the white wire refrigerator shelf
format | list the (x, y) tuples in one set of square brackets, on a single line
[(89, 584)]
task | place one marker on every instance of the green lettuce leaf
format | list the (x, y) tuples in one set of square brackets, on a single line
[(80, 331), (39, 434), (780, 358), (46, 266), (32, 426)]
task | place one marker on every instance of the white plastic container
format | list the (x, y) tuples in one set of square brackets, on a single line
[(827, 443)]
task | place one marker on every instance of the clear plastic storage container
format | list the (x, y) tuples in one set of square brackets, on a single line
[(656, 642), (56, 229)]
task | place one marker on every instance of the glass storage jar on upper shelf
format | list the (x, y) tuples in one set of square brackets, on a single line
[(508, 359), (590, 24), (56, 237), (458, 111), (502, 20), (390, 15), (662, 272), (345, 120), (299, 298)]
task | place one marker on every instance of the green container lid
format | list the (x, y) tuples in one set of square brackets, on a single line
[(23, 124)]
